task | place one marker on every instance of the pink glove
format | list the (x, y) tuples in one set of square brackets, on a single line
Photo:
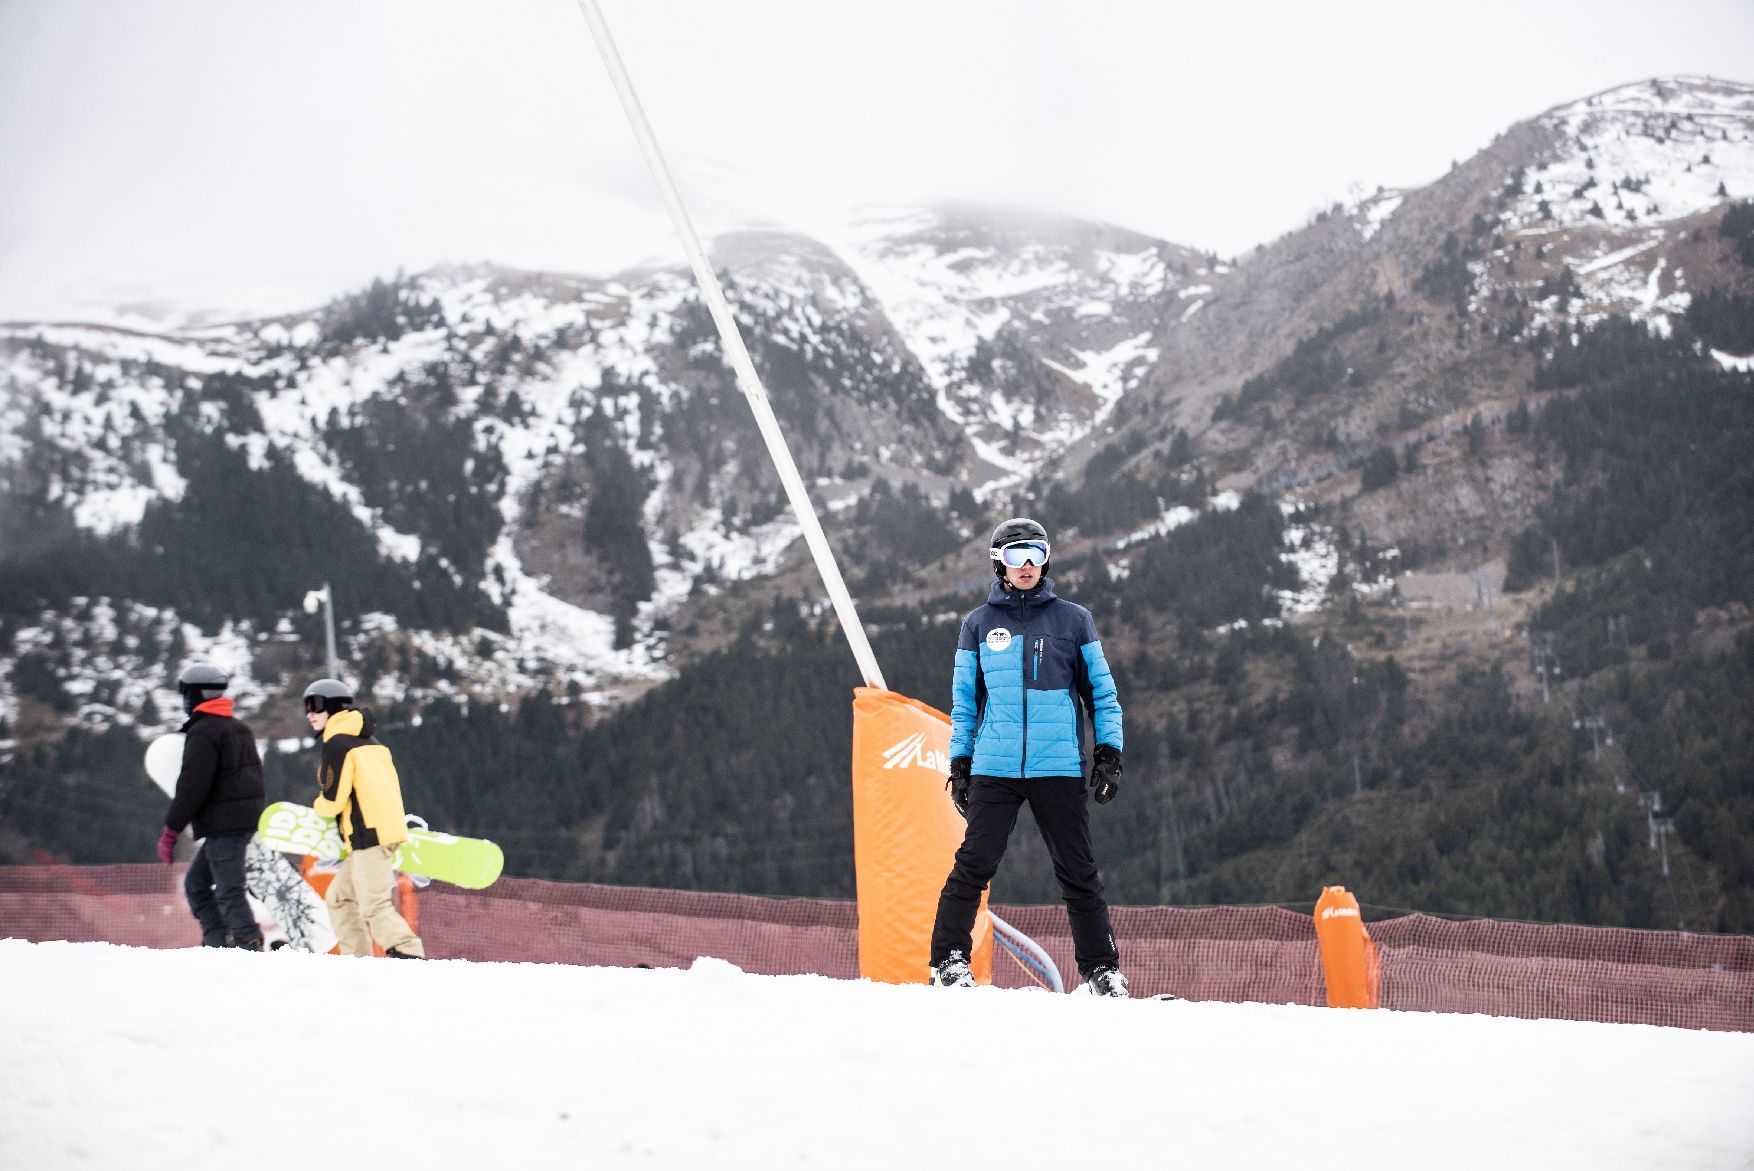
[(166, 841)]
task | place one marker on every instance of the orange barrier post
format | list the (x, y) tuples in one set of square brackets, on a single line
[(1348, 955), (905, 835)]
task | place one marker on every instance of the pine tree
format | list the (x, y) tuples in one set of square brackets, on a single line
[(1380, 469)]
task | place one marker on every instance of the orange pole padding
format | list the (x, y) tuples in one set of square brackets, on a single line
[(408, 901), (319, 875), (905, 836), (1349, 961)]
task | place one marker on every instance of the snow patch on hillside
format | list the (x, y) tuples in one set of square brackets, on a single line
[(1616, 164), (1373, 213), (96, 414), (1312, 549), (118, 662), (1626, 167), (1110, 373), (1136, 274)]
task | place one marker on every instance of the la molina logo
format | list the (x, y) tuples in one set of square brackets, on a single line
[(912, 752)]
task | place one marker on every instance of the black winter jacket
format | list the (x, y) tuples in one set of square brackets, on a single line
[(220, 788)]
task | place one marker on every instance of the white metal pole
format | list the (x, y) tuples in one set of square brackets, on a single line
[(747, 380), (329, 630)]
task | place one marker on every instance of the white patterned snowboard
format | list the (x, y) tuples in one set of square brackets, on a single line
[(284, 896)]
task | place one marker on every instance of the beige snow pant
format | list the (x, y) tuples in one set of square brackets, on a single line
[(360, 902)]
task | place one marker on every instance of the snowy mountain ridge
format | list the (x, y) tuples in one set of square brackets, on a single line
[(88, 410), (942, 351)]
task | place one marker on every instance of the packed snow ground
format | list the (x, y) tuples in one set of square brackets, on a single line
[(126, 1057)]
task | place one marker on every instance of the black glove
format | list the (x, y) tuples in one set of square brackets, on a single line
[(959, 782), (1105, 772)]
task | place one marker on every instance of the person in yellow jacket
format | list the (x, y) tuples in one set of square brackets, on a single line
[(358, 785)]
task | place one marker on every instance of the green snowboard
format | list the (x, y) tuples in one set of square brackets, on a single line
[(467, 862)]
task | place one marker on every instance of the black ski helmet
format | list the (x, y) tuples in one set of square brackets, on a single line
[(1018, 528), (199, 683), (328, 695)]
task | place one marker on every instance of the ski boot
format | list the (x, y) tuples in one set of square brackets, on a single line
[(1106, 981), (952, 972)]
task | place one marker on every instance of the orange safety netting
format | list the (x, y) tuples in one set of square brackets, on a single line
[(1263, 954)]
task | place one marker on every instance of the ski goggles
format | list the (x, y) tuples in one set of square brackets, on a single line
[(1017, 554)]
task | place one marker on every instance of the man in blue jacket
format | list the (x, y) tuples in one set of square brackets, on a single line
[(1030, 683)]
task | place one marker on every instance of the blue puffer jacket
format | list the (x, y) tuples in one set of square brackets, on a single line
[(1029, 676)]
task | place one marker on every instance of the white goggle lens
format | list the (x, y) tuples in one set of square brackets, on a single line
[(1020, 553)]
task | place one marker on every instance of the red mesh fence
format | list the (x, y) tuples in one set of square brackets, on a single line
[(1262, 954)]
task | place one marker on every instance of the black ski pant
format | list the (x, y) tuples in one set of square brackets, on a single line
[(1063, 817), (215, 889)]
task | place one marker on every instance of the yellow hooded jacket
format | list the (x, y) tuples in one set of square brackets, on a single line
[(358, 783)]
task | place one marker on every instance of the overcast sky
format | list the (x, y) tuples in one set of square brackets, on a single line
[(259, 157)]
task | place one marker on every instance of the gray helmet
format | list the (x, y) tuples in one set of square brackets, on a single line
[(328, 695), (1018, 528), (199, 683)]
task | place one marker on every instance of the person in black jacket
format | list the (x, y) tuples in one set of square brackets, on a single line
[(219, 792)]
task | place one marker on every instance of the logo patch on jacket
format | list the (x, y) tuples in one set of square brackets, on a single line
[(998, 638)]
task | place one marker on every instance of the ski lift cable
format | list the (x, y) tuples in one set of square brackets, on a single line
[(747, 380)]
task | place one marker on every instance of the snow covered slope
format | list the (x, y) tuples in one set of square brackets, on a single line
[(191, 1060), (1628, 171), (1616, 157)]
